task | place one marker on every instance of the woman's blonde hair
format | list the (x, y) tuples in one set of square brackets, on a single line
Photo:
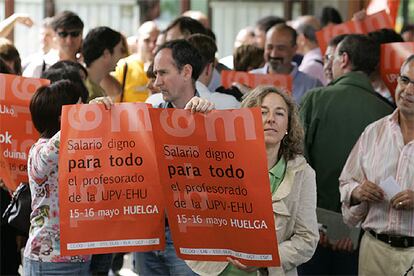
[(292, 144)]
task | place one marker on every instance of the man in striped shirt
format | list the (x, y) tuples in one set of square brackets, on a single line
[(377, 186)]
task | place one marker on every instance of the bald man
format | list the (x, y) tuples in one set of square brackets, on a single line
[(280, 47)]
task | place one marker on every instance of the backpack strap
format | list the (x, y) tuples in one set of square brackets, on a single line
[(124, 80)]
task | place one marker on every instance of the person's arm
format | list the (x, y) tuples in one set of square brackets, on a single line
[(7, 25), (355, 189), (106, 101), (44, 157), (301, 246)]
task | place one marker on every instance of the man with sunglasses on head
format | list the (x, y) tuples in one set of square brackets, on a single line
[(377, 186), (68, 29)]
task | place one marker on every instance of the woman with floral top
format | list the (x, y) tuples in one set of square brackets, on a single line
[(42, 252)]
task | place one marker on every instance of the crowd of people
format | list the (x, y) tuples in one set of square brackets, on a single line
[(331, 144)]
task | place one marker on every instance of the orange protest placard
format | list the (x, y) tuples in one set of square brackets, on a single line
[(392, 57), (17, 133), (370, 23), (254, 80), (217, 192), (109, 191)]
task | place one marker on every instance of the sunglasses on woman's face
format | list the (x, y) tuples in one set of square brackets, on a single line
[(64, 34)]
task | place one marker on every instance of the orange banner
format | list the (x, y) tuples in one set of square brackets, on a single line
[(370, 23), (254, 80), (392, 57), (17, 133), (109, 189), (217, 192)]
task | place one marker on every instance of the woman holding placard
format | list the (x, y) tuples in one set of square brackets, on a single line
[(292, 183), (42, 252)]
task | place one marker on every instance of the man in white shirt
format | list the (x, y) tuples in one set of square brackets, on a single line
[(177, 66), (46, 35), (207, 48), (377, 186)]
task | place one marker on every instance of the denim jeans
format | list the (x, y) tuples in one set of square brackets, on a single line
[(35, 268), (161, 262)]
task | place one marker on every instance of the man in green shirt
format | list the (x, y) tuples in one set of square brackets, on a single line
[(333, 118)]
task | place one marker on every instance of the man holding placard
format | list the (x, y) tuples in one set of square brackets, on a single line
[(177, 66)]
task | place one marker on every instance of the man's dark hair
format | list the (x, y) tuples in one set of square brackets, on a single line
[(336, 40), (69, 65), (210, 33), (267, 22), (385, 36), (46, 106), (205, 46), (67, 20), (184, 53), (407, 28), (68, 70), (187, 26), (247, 57), (330, 15), (408, 60), (97, 41), (150, 71), (362, 51)]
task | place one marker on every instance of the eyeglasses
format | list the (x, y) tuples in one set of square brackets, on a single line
[(404, 80), (64, 34), (327, 58)]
